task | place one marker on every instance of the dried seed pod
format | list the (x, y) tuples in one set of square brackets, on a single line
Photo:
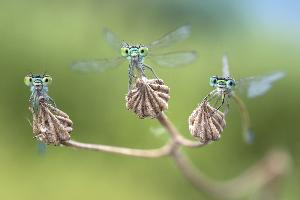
[(206, 123), (51, 125), (148, 98)]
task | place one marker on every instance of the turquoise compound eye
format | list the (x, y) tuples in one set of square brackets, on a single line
[(28, 80), (124, 51), (47, 80), (230, 83), (213, 81), (143, 51)]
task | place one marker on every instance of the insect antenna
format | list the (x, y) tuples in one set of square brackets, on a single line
[(124, 44)]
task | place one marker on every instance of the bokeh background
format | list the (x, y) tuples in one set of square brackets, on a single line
[(46, 36)]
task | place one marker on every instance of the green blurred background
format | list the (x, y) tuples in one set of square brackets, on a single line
[(46, 36)]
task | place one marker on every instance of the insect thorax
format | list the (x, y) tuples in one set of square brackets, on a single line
[(221, 91)]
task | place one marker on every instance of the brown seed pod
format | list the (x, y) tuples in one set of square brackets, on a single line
[(148, 98), (206, 123), (51, 125)]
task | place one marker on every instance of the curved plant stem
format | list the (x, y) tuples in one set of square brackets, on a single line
[(174, 143), (151, 153), (259, 176), (169, 126)]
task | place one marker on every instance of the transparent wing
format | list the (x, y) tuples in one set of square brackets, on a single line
[(257, 86), (179, 34), (174, 59), (96, 65), (112, 39), (225, 68)]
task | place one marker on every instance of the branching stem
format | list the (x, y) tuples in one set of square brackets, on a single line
[(257, 177), (152, 153)]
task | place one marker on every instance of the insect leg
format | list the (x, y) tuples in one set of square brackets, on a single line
[(142, 69), (51, 101), (29, 122), (151, 69), (223, 101), (217, 101), (210, 96)]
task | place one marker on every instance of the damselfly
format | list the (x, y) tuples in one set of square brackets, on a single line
[(38, 85), (50, 125), (225, 87), (136, 54)]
